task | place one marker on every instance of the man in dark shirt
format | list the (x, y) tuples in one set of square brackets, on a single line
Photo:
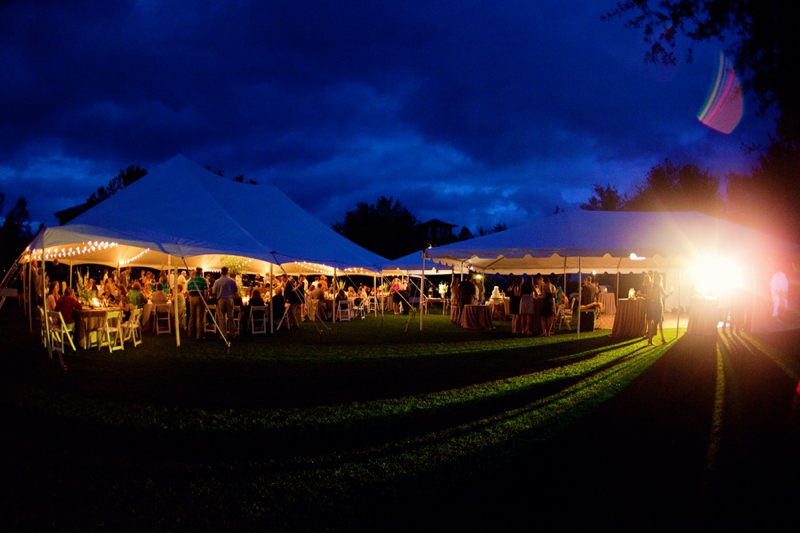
[(588, 292)]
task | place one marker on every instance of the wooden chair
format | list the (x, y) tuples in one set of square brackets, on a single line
[(132, 329), (111, 334), (163, 322), (258, 319)]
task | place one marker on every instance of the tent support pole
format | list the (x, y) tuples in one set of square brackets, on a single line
[(678, 323), (175, 302), (271, 292), (422, 291), (580, 288)]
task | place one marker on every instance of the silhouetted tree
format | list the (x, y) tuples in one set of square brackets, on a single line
[(122, 180), (500, 226), (605, 199), (670, 187), (15, 233), (386, 228)]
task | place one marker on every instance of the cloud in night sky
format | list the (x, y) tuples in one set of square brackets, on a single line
[(471, 112)]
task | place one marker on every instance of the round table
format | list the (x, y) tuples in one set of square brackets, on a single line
[(630, 320), (703, 316), (476, 317)]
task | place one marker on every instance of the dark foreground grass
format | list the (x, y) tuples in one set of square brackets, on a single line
[(376, 425)]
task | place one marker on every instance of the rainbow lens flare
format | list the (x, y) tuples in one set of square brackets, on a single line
[(724, 106)]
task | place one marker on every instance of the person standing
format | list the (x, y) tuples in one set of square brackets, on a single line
[(197, 288), (548, 314), (224, 290)]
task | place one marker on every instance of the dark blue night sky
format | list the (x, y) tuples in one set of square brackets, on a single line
[(471, 112)]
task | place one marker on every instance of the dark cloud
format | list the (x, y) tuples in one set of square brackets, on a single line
[(472, 112)]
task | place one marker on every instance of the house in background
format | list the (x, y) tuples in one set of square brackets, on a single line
[(436, 232)]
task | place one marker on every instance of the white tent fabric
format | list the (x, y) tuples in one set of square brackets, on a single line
[(180, 209), (605, 241), (411, 265)]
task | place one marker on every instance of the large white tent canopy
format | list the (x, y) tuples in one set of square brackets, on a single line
[(182, 211)]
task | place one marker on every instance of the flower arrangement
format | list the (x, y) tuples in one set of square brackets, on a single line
[(383, 288), (81, 289), (340, 284), (443, 288)]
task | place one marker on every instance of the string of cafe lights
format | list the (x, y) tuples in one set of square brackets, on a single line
[(60, 253)]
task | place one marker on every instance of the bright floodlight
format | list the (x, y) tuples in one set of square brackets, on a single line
[(717, 276)]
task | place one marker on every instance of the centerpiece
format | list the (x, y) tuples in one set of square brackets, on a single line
[(443, 289)]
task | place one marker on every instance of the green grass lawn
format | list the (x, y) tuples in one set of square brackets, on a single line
[(376, 425)]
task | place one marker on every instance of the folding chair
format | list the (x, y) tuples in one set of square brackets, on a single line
[(372, 304), (60, 329), (565, 317), (360, 310), (163, 324), (110, 334), (343, 311), (132, 329), (258, 319), (237, 319), (43, 326)]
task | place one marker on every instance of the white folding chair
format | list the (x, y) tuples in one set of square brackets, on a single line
[(111, 334), (343, 311), (162, 320), (372, 304), (42, 319), (59, 330), (360, 310), (237, 319), (566, 315), (258, 319), (132, 329)]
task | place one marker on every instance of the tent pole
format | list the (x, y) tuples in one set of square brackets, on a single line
[(422, 291), (580, 288), (678, 324), (175, 302), (271, 293)]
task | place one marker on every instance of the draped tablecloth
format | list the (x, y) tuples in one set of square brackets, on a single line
[(476, 317), (87, 322), (500, 307), (703, 316), (630, 319), (609, 303)]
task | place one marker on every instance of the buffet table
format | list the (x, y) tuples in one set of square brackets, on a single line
[(609, 302), (630, 319), (703, 316), (476, 317)]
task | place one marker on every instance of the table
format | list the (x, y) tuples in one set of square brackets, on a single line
[(444, 301), (609, 302), (500, 308), (477, 317), (630, 319), (703, 316), (87, 322)]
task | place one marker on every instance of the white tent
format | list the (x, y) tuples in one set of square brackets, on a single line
[(604, 241), (628, 242), (181, 210)]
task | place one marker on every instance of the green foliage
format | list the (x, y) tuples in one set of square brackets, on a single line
[(15, 233), (236, 264)]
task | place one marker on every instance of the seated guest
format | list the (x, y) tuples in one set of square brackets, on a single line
[(66, 305), (136, 297), (159, 296), (351, 292), (256, 299), (340, 295), (278, 305), (123, 303)]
